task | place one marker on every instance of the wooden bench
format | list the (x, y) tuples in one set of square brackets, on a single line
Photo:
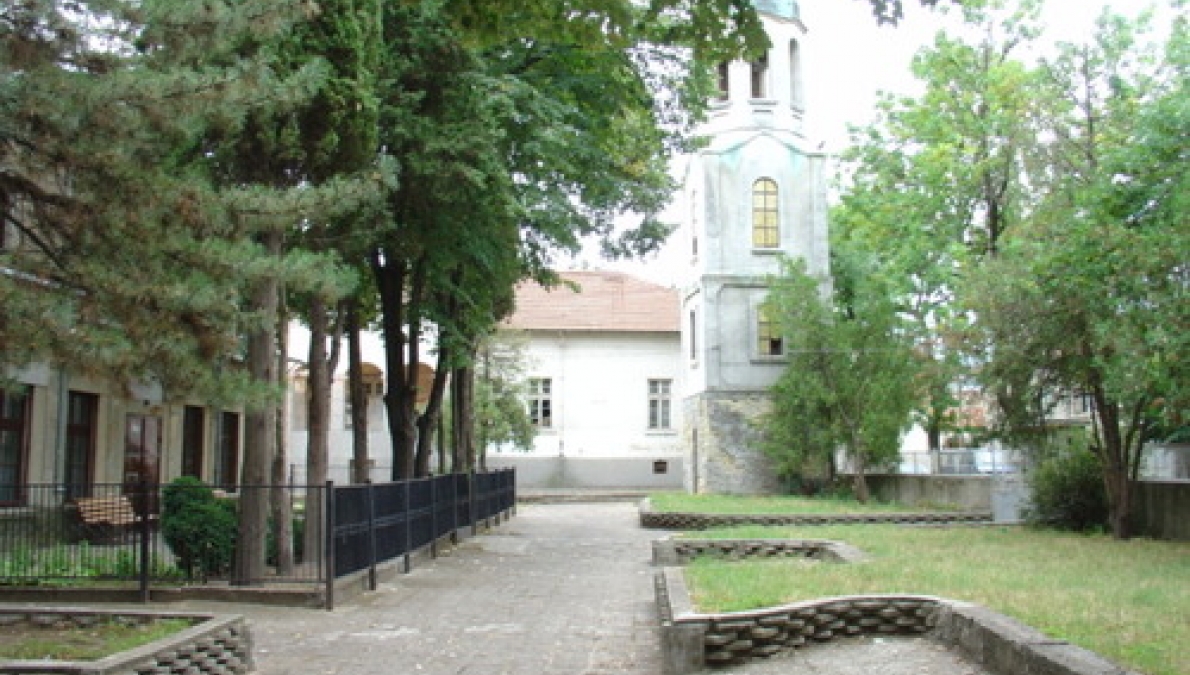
[(105, 518)]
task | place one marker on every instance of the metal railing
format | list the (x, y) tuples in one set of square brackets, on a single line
[(113, 535)]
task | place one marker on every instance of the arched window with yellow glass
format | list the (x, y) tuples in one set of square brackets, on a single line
[(765, 220)]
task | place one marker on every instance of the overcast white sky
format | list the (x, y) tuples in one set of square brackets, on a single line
[(850, 58)]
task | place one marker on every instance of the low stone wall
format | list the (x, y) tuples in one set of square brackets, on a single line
[(960, 491), (670, 551), (701, 521), (692, 641), (214, 645)]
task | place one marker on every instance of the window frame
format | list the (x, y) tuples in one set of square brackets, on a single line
[(20, 425), (85, 432), (660, 404), (766, 214), (759, 80), (227, 451), (194, 438), (770, 344), (541, 402)]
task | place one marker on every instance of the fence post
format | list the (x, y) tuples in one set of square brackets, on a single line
[(408, 525), (328, 529), (371, 497), (454, 509), (144, 528), (433, 516), (473, 516)]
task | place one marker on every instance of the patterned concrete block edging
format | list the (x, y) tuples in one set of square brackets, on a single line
[(658, 520), (679, 551), (214, 645), (692, 641)]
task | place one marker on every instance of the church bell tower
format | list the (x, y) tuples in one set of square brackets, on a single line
[(752, 195)]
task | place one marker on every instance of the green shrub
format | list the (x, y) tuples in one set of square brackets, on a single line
[(1068, 493), (199, 528)]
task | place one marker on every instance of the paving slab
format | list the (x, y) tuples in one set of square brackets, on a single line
[(558, 589), (865, 656)]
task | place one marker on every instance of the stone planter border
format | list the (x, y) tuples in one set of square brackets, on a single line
[(658, 520), (692, 641), (679, 551), (214, 645)]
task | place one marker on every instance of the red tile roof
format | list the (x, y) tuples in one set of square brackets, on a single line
[(605, 301)]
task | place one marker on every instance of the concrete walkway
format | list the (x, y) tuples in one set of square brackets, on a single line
[(558, 589)]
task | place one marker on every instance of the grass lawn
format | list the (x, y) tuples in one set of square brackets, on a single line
[(82, 644), (672, 502), (1128, 601)]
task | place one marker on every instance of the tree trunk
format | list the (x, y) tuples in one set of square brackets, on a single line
[(282, 510), (360, 469), (427, 423), (1115, 455), (464, 421), (259, 433), (457, 462), (321, 367), (391, 279), (934, 442), (859, 480)]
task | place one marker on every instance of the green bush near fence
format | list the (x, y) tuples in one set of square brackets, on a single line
[(199, 528), (1068, 493)]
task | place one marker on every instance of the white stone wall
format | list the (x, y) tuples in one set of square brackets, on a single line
[(600, 392)]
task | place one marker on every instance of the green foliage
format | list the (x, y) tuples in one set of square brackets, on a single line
[(1030, 219), (133, 262), (65, 565), (1068, 493), (199, 528), (849, 381), (500, 414)]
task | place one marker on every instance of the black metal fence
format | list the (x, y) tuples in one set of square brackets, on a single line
[(112, 534)]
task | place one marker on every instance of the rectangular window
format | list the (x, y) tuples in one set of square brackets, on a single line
[(14, 439), (659, 403), (81, 414), (227, 452), (769, 342), (693, 337), (541, 404), (765, 214), (348, 405), (723, 80), (760, 70), (194, 422)]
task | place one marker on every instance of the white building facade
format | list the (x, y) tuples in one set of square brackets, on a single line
[(602, 373)]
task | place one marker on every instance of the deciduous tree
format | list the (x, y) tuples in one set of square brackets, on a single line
[(850, 378)]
